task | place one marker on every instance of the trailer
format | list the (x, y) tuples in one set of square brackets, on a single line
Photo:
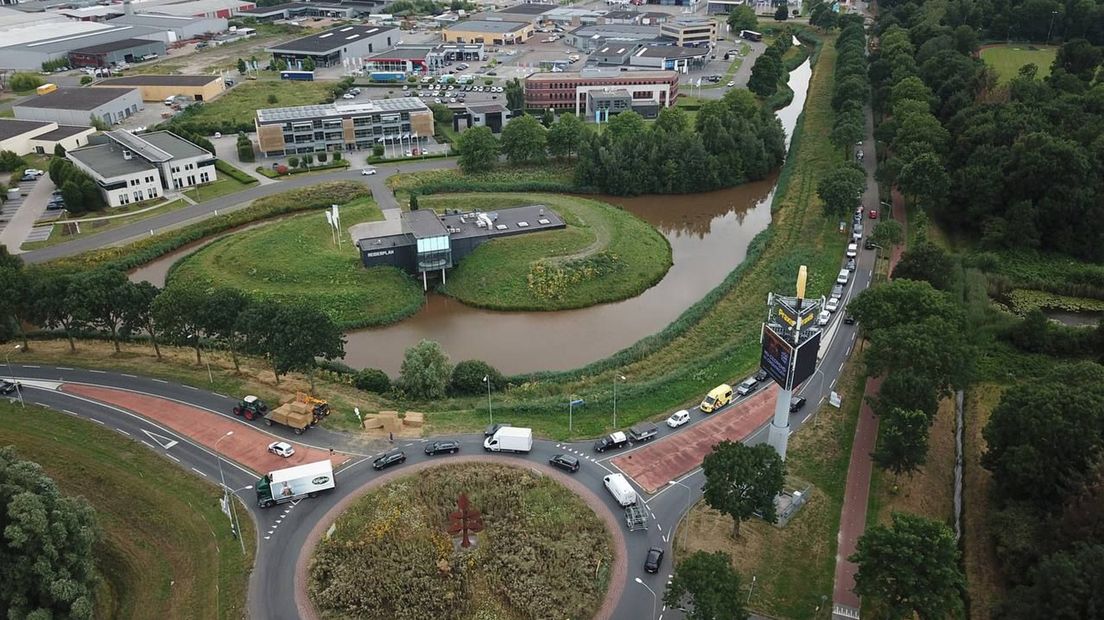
[(292, 483), (303, 76), (295, 415), (636, 518)]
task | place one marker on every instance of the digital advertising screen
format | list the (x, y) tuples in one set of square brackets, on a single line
[(776, 357)]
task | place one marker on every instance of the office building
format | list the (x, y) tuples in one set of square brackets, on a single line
[(492, 115), (332, 47), (26, 137), (424, 58), (131, 168), (690, 31), (649, 90), (593, 37), (77, 106), (405, 123)]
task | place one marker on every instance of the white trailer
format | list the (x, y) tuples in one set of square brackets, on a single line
[(510, 439), (292, 483)]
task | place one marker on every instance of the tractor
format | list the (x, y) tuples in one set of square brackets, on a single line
[(251, 407)]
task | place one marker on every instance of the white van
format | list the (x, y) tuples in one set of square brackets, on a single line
[(170, 100), (843, 277), (620, 489)]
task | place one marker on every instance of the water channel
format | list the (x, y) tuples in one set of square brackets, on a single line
[(709, 234)]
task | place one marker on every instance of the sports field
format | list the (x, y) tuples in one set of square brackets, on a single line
[(1007, 59)]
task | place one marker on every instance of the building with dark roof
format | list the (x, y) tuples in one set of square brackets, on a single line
[(77, 106), (292, 10), (174, 27), (23, 137), (161, 87), (531, 8), (332, 47), (492, 115), (115, 52), (131, 168), (669, 57), (590, 38)]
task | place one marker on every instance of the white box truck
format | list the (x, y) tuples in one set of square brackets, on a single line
[(292, 483), (510, 439), (620, 489)]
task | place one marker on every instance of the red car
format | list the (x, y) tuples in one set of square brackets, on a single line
[(873, 214)]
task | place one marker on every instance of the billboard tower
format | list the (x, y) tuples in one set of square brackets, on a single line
[(790, 341)]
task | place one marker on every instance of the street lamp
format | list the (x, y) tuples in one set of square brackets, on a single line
[(689, 493), (655, 599), (225, 495), (750, 590), (1053, 14), (18, 386), (490, 414), (616, 378)]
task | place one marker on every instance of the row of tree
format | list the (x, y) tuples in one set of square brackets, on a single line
[(78, 189), (841, 188), (769, 69), (290, 336)]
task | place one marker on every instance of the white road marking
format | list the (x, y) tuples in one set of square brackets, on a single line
[(190, 387), (99, 372), (199, 472), (161, 440), (148, 444), (123, 432), (173, 458), (42, 405), (98, 421), (136, 376), (63, 368), (29, 366), (840, 368), (69, 412)]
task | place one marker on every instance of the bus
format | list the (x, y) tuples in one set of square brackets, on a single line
[(751, 35), (302, 76)]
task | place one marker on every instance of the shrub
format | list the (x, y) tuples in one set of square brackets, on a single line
[(377, 150), (24, 81), (9, 161), (322, 158), (293, 162), (87, 79), (233, 172), (425, 371), (281, 169), (372, 380), (337, 156), (467, 378)]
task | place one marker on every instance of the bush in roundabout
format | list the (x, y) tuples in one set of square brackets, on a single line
[(542, 553)]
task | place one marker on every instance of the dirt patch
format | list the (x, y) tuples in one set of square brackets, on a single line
[(985, 585), (670, 458)]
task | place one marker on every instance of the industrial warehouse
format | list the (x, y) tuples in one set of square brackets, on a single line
[(421, 241)]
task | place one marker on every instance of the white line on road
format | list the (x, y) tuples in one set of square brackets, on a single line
[(222, 395), (190, 387), (135, 376), (123, 432), (98, 421), (42, 404), (832, 384), (29, 366), (63, 368), (69, 412), (99, 372), (148, 444), (173, 458), (840, 368), (199, 472)]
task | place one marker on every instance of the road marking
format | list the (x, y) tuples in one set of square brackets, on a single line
[(222, 395), (199, 472), (29, 366), (63, 368), (123, 432), (189, 387), (98, 421), (840, 369), (157, 380), (69, 412), (42, 404), (832, 385), (161, 440), (99, 372), (135, 376), (173, 458), (659, 526)]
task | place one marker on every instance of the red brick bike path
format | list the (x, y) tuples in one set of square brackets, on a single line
[(654, 465), (248, 446)]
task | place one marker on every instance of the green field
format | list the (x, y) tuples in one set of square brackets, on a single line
[(239, 105), (542, 553), (605, 254), (1007, 59), (167, 549), (296, 258), (63, 233)]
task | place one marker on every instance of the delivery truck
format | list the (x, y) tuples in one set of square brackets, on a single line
[(292, 483), (510, 439)]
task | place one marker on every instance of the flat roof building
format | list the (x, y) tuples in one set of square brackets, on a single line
[(25, 137), (77, 106), (174, 27), (115, 52), (346, 126), (492, 115), (423, 58), (292, 10), (28, 48), (131, 168), (680, 59), (485, 31), (331, 47), (590, 38), (568, 90), (690, 31), (161, 87)]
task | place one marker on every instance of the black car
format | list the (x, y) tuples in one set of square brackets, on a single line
[(851, 264), (849, 319), (611, 441), (8, 387), (653, 561), (796, 404), (761, 375), (565, 462), (870, 245), (389, 459), (447, 446), (492, 429)]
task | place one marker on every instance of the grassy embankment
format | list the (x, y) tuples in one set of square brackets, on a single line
[(89, 225), (789, 584), (1007, 59), (296, 258), (985, 584), (605, 254), (167, 550), (390, 557)]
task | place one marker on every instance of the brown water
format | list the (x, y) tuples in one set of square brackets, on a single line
[(709, 235)]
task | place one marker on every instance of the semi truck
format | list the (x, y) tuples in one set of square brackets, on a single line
[(510, 439), (292, 483), (295, 415)]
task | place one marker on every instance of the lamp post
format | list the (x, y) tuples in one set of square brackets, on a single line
[(750, 590), (18, 387), (1053, 14), (490, 414), (234, 513), (655, 599), (222, 481), (616, 378), (571, 413)]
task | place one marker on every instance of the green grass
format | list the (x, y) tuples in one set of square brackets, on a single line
[(167, 550), (239, 105), (605, 254), (503, 179), (64, 233), (296, 258), (225, 184), (541, 549), (1007, 59)]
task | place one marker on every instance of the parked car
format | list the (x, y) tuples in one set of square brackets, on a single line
[(716, 398), (843, 277), (644, 431), (367, 172), (796, 404), (853, 249), (445, 446), (851, 264), (823, 318), (653, 560), (389, 459), (747, 386), (730, 84), (849, 319), (678, 418), (281, 448), (832, 304), (761, 375), (348, 96), (565, 462), (837, 291)]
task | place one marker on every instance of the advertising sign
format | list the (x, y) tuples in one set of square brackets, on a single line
[(805, 365), (777, 357)]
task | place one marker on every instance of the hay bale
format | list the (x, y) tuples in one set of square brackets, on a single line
[(372, 421), (414, 419), (285, 399)]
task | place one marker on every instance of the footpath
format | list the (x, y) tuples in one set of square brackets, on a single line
[(845, 603)]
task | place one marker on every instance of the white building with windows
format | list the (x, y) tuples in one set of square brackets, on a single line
[(131, 168)]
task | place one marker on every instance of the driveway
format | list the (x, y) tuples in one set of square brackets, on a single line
[(15, 232)]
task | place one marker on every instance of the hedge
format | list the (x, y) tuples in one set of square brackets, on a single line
[(234, 173)]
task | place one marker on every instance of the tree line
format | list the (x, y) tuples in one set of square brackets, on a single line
[(1039, 21), (841, 187), (732, 141), (289, 336)]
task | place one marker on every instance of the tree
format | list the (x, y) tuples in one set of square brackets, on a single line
[(372, 380), (291, 336), (47, 549), (467, 378), (765, 74), (218, 318), (910, 568), (902, 301), (53, 295), (1080, 58), (742, 480), (548, 118), (845, 134), (307, 160), (293, 161), (15, 303), (707, 587), (425, 371), (515, 96), (178, 310), (928, 262), (73, 196), (20, 82), (59, 150), (241, 66), (478, 149), (104, 299), (626, 124), (840, 189), (742, 17), (413, 201), (1068, 585), (902, 441), (140, 313), (441, 113), (308, 64), (9, 161), (925, 178), (887, 233), (565, 136), (781, 13), (523, 140), (932, 347)]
